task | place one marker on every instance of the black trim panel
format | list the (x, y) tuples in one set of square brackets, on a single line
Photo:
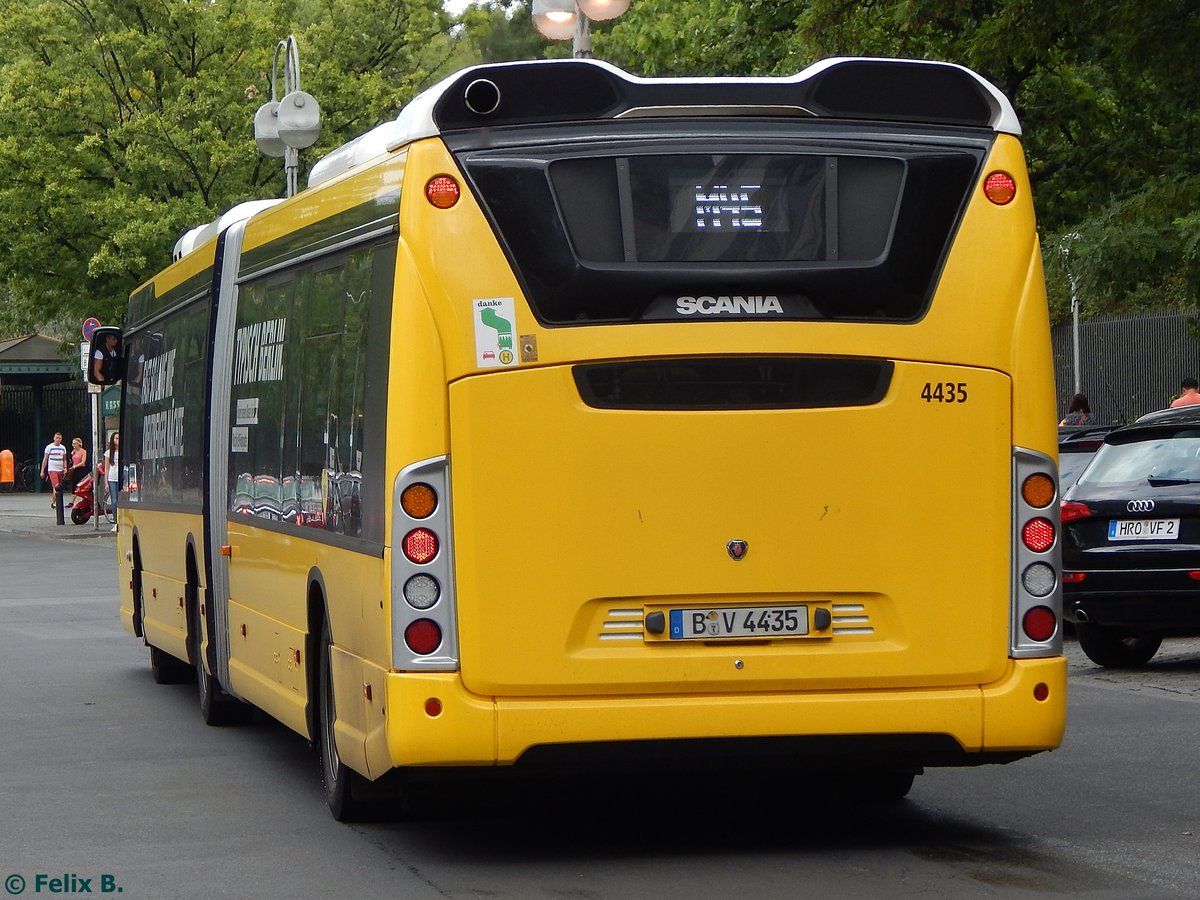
[(570, 90), (734, 383)]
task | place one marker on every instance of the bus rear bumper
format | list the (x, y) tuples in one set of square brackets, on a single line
[(961, 726)]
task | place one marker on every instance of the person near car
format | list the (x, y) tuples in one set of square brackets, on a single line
[(77, 466), (54, 464), (1190, 395), (1079, 412)]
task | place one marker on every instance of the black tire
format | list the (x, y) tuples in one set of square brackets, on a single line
[(883, 786), (1116, 648), (893, 786), (80, 515), (166, 669), (349, 795), (217, 707)]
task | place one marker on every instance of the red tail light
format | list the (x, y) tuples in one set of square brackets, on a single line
[(420, 545), (1038, 535), (1000, 188), (1040, 623), (442, 191), (1072, 510), (423, 636), (1074, 577)]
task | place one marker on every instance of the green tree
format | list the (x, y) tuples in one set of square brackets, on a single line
[(113, 143), (1108, 95), (500, 31)]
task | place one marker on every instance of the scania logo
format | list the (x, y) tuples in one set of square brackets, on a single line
[(752, 305), (1140, 506), (737, 549)]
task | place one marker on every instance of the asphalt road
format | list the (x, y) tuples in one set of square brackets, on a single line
[(111, 778)]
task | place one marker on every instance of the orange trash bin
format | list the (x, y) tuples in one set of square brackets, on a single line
[(7, 474)]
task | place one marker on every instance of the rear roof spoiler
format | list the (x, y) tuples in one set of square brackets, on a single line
[(548, 91)]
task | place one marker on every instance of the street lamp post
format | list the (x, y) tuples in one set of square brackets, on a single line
[(285, 127), (568, 20), (1065, 247)]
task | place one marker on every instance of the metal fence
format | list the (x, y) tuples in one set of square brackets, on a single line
[(1129, 364), (64, 408)]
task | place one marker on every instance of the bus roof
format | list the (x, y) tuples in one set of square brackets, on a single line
[(547, 91)]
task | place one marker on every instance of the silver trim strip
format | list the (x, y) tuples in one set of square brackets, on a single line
[(218, 448)]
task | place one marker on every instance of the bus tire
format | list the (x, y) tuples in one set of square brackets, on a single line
[(1116, 648), (348, 794), (217, 708), (891, 787), (166, 669)]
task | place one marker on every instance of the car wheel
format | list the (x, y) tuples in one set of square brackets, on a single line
[(1116, 648)]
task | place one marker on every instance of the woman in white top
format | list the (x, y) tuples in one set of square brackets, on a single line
[(112, 474)]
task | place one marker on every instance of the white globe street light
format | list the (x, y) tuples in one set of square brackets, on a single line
[(563, 20), (285, 127), (599, 10)]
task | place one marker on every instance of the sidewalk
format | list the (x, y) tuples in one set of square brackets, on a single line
[(25, 513)]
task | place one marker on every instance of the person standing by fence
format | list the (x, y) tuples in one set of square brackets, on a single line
[(1079, 412), (54, 464), (76, 466), (1190, 395)]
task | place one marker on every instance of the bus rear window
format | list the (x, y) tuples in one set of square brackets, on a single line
[(854, 228), (731, 208)]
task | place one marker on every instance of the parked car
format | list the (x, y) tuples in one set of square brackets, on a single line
[(1076, 446), (1168, 414), (1131, 541)]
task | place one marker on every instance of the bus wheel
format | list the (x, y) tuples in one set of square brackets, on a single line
[(166, 669), (883, 786), (216, 706), (348, 794), (892, 786)]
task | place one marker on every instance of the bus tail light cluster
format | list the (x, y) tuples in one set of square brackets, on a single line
[(1037, 558), (424, 616)]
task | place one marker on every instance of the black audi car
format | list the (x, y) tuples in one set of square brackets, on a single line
[(1131, 541)]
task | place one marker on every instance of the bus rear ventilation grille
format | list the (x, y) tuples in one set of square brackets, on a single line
[(762, 382)]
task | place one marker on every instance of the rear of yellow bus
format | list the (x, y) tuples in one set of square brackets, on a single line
[(735, 402)]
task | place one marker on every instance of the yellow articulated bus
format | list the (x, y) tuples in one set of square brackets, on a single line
[(573, 415)]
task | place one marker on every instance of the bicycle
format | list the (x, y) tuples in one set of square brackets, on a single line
[(23, 476), (106, 509)]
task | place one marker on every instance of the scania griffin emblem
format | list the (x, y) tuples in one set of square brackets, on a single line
[(737, 549)]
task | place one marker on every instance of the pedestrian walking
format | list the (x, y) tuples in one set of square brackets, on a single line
[(54, 464)]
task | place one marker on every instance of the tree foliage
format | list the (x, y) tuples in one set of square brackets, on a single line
[(1107, 94), (124, 122)]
